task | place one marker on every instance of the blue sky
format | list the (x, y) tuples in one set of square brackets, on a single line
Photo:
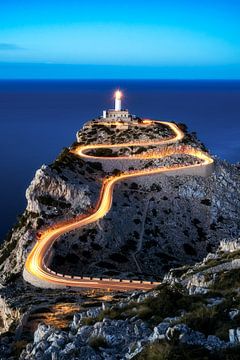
[(125, 39)]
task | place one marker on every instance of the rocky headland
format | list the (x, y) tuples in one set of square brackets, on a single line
[(180, 230)]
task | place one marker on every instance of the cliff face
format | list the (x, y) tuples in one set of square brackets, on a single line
[(153, 227), (156, 222), (48, 189), (59, 191)]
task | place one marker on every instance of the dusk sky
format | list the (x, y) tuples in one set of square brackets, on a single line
[(125, 39)]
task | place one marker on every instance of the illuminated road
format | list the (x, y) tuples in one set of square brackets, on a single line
[(36, 270)]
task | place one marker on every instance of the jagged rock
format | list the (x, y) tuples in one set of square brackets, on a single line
[(210, 256), (197, 284), (159, 331), (42, 333), (91, 313), (46, 181), (201, 209), (174, 319), (105, 306), (75, 323), (94, 312), (86, 352), (229, 245), (188, 336), (84, 333), (233, 313), (135, 349), (42, 346), (214, 301), (234, 336), (114, 333), (70, 349), (9, 315), (213, 343), (58, 339)]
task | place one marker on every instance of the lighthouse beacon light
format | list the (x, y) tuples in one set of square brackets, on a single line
[(118, 100), (117, 114)]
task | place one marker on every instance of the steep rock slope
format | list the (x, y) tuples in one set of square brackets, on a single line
[(150, 228), (155, 222)]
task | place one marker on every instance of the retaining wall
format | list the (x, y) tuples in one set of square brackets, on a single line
[(123, 165), (149, 180), (35, 281)]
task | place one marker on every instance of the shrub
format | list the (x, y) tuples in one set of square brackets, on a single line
[(137, 221), (165, 351), (118, 257), (196, 221), (72, 258), (96, 246), (88, 321), (130, 245), (116, 172), (47, 200), (144, 312), (211, 320), (202, 319), (228, 280), (104, 152), (95, 165), (106, 265), (206, 202), (134, 186), (18, 347), (189, 250), (97, 341)]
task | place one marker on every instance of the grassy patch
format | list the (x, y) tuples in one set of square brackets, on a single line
[(214, 320), (169, 302), (227, 281), (166, 351), (18, 347)]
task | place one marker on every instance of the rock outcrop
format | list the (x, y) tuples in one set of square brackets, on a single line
[(187, 224)]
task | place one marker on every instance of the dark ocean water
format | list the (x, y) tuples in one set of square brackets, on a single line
[(39, 118)]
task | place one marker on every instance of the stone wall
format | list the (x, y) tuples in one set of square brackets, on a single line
[(121, 164), (33, 280)]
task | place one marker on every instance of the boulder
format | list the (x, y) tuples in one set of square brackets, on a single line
[(159, 331), (42, 333), (233, 313), (234, 336)]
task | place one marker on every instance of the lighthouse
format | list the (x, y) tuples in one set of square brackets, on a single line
[(118, 100), (117, 114)]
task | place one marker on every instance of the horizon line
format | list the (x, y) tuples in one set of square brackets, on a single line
[(118, 79)]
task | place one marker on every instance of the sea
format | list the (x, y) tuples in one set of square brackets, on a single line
[(39, 118)]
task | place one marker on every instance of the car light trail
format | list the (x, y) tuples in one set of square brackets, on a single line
[(35, 265)]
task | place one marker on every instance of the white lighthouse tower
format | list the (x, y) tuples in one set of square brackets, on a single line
[(117, 113), (118, 100)]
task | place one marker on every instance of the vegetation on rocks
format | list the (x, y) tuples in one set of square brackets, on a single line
[(154, 225)]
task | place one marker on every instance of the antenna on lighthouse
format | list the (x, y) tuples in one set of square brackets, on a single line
[(118, 100)]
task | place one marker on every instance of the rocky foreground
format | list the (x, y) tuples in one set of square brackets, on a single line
[(194, 314), (182, 231)]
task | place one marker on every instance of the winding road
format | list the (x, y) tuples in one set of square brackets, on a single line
[(36, 270)]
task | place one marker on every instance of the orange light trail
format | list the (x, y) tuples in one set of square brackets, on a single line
[(35, 265)]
